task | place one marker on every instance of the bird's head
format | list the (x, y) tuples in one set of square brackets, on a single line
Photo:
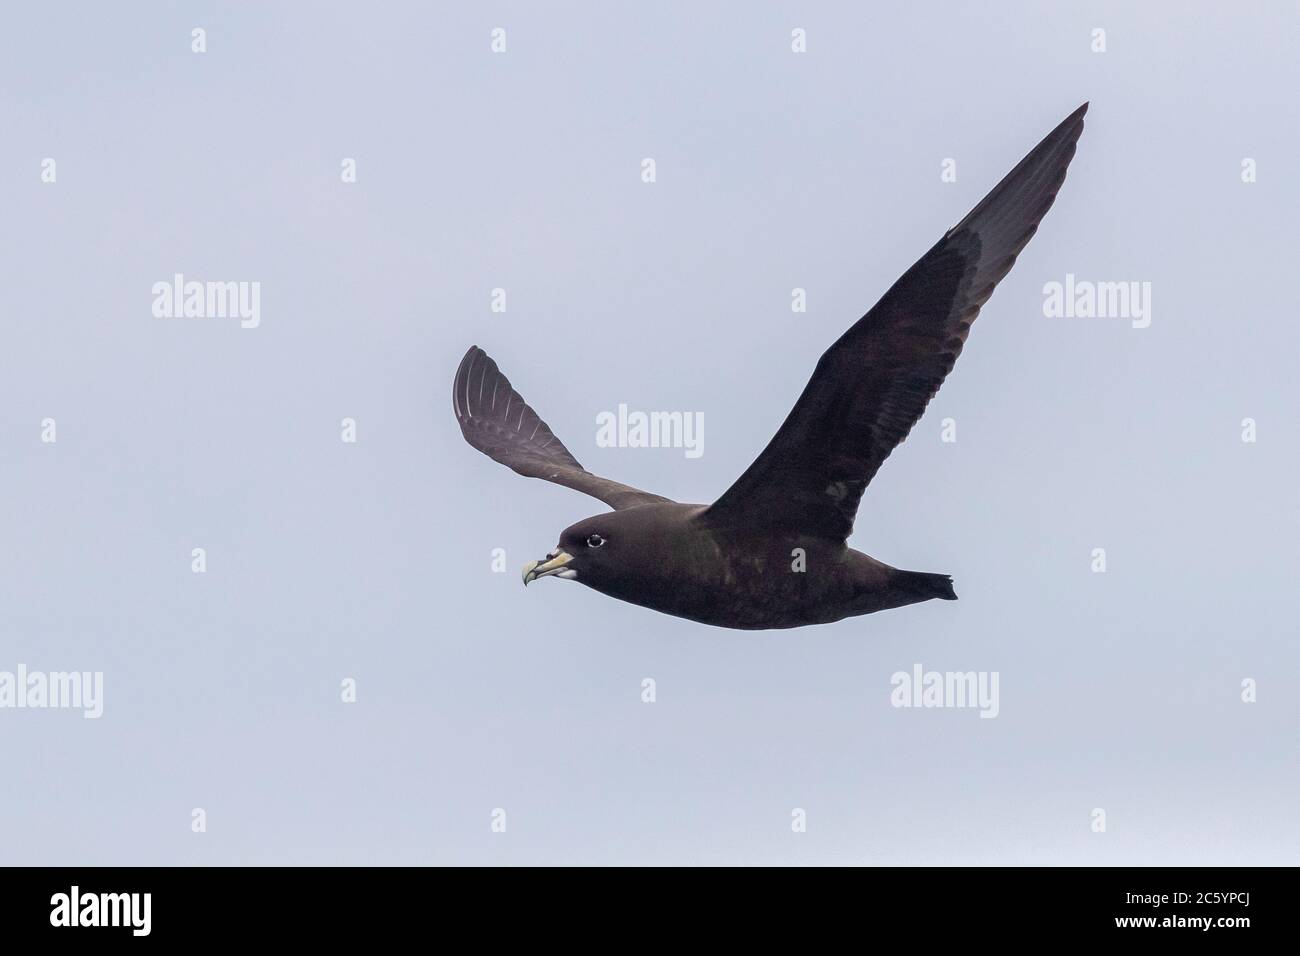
[(588, 551), (626, 553)]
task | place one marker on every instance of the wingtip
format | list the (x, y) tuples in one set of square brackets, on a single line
[(1070, 128), (470, 355), (457, 380)]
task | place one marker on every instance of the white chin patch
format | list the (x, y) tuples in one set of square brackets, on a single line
[(568, 574)]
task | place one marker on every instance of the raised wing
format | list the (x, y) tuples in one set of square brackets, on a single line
[(872, 385), (496, 420)]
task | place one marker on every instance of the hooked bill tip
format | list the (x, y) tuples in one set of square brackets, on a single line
[(528, 571)]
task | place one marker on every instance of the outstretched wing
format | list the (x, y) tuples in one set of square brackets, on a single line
[(496, 420), (872, 385)]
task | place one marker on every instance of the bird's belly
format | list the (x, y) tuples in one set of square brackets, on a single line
[(753, 591)]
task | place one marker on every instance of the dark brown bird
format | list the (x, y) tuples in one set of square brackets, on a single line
[(771, 551)]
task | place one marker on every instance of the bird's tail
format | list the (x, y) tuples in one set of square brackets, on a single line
[(924, 585)]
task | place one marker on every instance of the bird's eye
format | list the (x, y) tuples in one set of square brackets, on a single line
[(595, 541)]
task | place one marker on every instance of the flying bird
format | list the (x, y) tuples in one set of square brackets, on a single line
[(772, 551)]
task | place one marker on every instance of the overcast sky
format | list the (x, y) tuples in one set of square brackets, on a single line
[(521, 170)]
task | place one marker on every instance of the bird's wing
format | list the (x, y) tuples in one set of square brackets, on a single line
[(496, 420), (872, 385)]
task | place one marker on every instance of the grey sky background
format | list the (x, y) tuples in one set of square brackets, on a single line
[(521, 170)]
